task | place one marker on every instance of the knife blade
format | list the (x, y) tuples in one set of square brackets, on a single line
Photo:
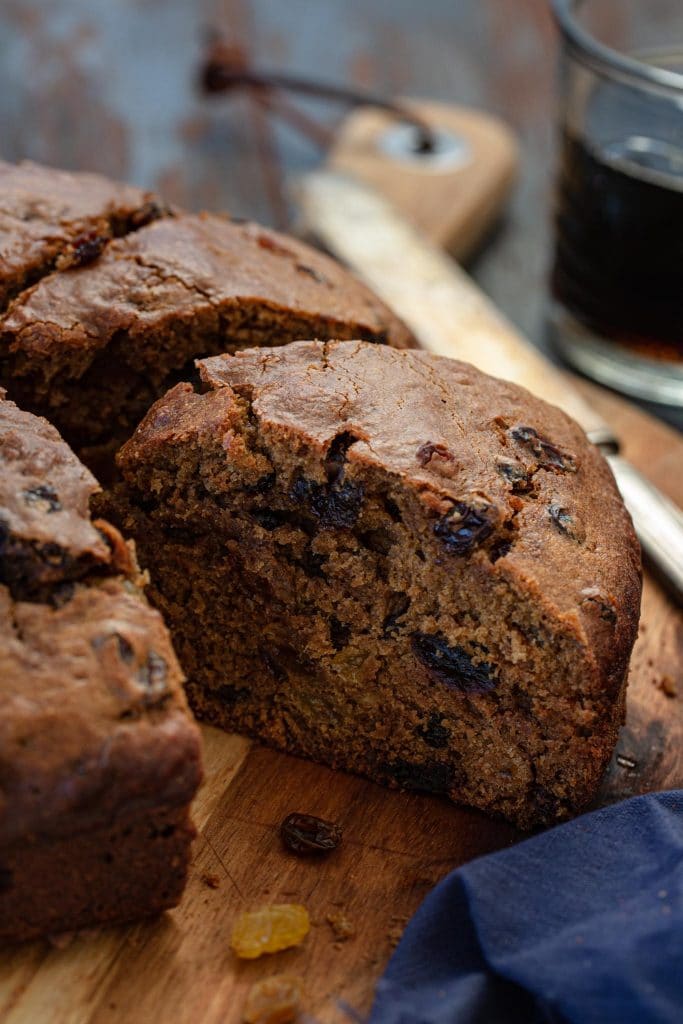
[(452, 317)]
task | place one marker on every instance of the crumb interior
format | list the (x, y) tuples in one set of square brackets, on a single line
[(314, 605)]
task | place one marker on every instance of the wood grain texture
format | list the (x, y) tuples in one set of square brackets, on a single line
[(109, 87)]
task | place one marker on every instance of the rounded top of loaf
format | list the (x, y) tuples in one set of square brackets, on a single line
[(503, 477)]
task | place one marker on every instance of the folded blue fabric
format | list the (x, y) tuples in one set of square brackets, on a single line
[(583, 923)]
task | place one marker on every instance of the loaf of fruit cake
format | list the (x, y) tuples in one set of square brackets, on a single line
[(99, 756), (92, 344), (394, 564)]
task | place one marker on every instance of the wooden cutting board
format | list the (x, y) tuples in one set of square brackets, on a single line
[(180, 970)]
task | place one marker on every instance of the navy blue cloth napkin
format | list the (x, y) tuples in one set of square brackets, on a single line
[(581, 924)]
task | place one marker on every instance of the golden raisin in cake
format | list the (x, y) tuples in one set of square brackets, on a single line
[(92, 346), (50, 218), (99, 757), (391, 563)]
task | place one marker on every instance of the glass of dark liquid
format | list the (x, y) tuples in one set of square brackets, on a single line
[(616, 308)]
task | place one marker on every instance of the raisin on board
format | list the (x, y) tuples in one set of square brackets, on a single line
[(306, 834), (274, 1000), (464, 527), (269, 929), (453, 665)]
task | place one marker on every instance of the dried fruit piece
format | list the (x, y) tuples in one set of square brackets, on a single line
[(453, 665), (463, 527), (269, 929), (434, 733), (306, 834), (274, 1000), (426, 777), (84, 249), (43, 496), (335, 459), (336, 506), (428, 451), (549, 455), (565, 522), (517, 475)]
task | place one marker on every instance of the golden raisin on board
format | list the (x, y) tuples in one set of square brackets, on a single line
[(269, 929), (274, 1000)]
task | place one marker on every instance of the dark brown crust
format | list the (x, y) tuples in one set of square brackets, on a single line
[(124, 871), (43, 212), (94, 728)]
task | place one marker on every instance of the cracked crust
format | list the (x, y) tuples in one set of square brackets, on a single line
[(92, 347), (95, 729), (45, 212), (445, 579)]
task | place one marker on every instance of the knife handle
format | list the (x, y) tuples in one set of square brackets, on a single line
[(657, 521)]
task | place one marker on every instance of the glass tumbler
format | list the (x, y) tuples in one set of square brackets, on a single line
[(616, 304)]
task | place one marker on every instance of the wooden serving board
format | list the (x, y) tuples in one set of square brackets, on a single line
[(396, 847)]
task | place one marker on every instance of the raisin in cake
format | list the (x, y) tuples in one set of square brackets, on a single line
[(391, 563), (92, 346), (99, 757)]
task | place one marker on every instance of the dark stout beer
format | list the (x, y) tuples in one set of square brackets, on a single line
[(619, 248)]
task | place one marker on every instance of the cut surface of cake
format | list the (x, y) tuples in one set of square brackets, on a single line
[(394, 564), (99, 756)]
